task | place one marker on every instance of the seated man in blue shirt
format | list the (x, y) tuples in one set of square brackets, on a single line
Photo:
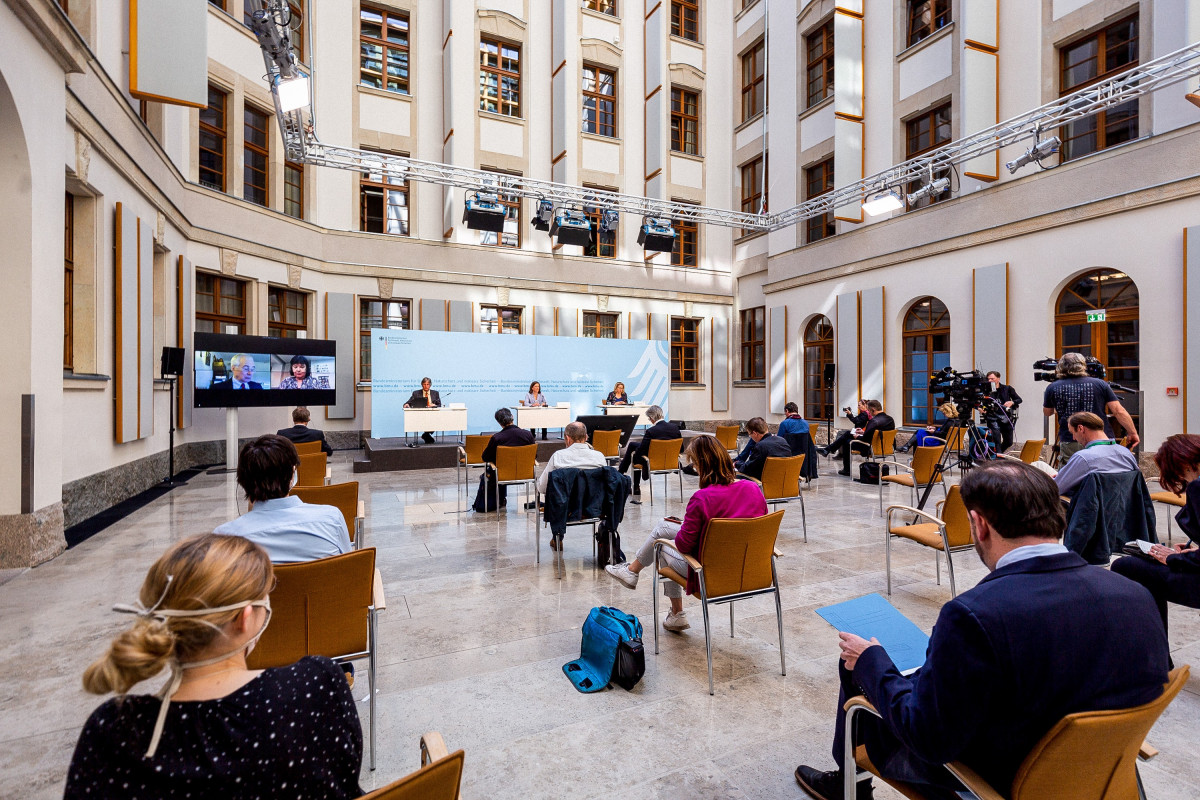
[(1097, 454), (793, 422), (288, 529)]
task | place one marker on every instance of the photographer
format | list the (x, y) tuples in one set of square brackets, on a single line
[(1073, 391), (860, 419), (1001, 424), (859, 437)]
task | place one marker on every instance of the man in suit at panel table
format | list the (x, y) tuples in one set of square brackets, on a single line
[(300, 433), (424, 397), (766, 445), (660, 429), (241, 374), (1042, 636), (509, 436)]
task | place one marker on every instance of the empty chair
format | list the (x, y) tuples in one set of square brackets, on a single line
[(607, 444), (727, 435), (304, 448), (781, 483), (344, 496), (663, 459), (1169, 499), (948, 532), (438, 778), (920, 473), (313, 470), (883, 445), (1031, 451), (516, 465)]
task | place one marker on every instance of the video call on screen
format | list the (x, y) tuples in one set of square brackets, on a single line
[(233, 370)]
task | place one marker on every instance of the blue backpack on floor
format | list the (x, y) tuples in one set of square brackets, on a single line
[(605, 632)]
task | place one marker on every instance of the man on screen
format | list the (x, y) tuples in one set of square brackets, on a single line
[(242, 367), (425, 397)]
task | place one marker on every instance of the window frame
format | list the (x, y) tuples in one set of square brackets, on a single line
[(290, 167), (503, 326), (939, 17), (510, 202), (221, 135), (600, 321), (1098, 332), (686, 231), (364, 334), (606, 7), (69, 282), (500, 74), (219, 320), (822, 63), (685, 352), (931, 116), (754, 70), (754, 344), (598, 98), (927, 333), (685, 13), (1099, 121), (818, 352), (756, 200), (254, 150), (385, 44), (823, 226), (282, 328), (683, 123), (365, 182)]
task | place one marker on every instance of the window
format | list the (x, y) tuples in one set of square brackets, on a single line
[(685, 350), (754, 196), (373, 313), (296, 24), (754, 343), (820, 63), (753, 81), (1115, 341), (287, 312), (603, 243), (685, 19), (818, 354), (293, 189), (927, 131), (925, 17), (599, 101), (256, 157), (818, 179), (383, 203), (687, 243), (511, 236), (685, 121), (220, 302), (599, 326), (69, 283), (1099, 56), (383, 49), (212, 140), (500, 319), (499, 77), (926, 350), (603, 6)]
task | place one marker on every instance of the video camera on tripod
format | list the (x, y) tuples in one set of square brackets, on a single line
[(967, 390), (1045, 370)]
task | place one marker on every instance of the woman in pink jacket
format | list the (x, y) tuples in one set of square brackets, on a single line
[(719, 497)]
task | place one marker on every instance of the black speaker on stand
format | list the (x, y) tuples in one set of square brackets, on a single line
[(829, 376), (171, 367)]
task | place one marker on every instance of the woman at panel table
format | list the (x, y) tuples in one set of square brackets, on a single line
[(302, 377), (617, 396), (535, 399)]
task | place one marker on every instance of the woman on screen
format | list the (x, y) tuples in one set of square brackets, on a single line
[(535, 399), (617, 396), (302, 377)]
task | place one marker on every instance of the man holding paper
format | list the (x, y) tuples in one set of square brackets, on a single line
[(1042, 636)]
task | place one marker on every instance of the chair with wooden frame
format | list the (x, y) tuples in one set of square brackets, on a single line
[(313, 470), (948, 532), (1169, 499), (920, 473), (305, 448), (470, 456), (1108, 742), (516, 466), (438, 778), (781, 482), (1031, 451), (344, 496), (607, 444), (737, 561), (663, 459), (727, 435), (325, 608)]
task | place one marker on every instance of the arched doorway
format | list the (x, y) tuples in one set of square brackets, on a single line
[(818, 353), (926, 350)]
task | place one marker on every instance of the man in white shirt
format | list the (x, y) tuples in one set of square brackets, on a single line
[(1098, 453), (287, 528), (578, 453)]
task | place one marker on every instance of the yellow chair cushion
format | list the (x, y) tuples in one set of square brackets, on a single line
[(903, 480), (864, 762), (925, 533), (667, 572), (1170, 498)]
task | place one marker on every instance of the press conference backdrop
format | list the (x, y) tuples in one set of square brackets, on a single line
[(486, 371)]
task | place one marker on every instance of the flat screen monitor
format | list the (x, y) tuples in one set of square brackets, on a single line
[(232, 371), (625, 423)]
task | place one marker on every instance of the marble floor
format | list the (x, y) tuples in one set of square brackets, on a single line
[(475, 635)]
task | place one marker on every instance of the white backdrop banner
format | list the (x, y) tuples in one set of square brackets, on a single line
[(486, 371)]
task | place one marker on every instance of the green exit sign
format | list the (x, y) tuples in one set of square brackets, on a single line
[(1095, 316)]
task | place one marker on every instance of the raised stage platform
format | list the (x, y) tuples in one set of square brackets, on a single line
[(391, 455)]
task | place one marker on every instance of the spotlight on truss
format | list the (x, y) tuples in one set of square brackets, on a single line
[(544, 215), (484, 212), (657, 234), (932, 189), (1041, 149), (882, 203), (571, 227)]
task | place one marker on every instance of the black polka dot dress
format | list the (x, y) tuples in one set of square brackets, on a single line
[(292, 732)]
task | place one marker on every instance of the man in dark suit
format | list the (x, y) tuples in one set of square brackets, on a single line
[(661, 429), (1044, 635), (766, 445), (241, 374), (509, 436), (424, 398), (1001, 424), (300, 433), (859, 438)]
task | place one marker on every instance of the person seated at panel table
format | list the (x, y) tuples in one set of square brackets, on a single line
[(660, 429), (1097, 454), (509, 436), (302, 377), (617, 396), (202, 607), (425, 397), (535, 399), (242, 375)]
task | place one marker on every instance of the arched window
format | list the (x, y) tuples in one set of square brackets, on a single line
[(818, 352), (1110, 298), (926, 350)]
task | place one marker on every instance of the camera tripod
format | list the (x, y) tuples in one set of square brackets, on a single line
[(963, 461)]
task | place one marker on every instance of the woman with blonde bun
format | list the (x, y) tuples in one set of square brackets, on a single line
[(216, 729)]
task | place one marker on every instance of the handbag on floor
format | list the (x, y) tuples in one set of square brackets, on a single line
[(604, 631), (870, 472)]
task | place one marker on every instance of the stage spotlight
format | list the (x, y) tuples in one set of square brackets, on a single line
[(932, 189), (544, 215), (1040, 150), (657, 234), (1194, 97), (293, 93), (571, 227), (609, 219), (882, 203), (484, 212)]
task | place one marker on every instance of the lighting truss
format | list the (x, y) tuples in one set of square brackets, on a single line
[(303, 146)]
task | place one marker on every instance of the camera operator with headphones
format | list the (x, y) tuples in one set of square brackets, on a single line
[(1001, 424), (1074, 390)]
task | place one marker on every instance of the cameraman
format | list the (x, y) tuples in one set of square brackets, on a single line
[(1001, 425), (1075, 391)]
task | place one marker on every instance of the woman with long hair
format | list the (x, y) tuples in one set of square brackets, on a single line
[(617, 396), (720, 496), (216, 729), (535, 399)]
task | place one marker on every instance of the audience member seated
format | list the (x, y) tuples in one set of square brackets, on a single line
[(766, 445), (720, 496), (286, 527), (947, 410), (508, 436), (859, 438), (792, 421), (661, 429), (859, 419), (217, 729), (577, 453), (300, 432), (1097, 453), (1044, 635), (1174, 573)]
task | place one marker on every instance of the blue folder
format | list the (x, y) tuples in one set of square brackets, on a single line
[(874, 617)]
